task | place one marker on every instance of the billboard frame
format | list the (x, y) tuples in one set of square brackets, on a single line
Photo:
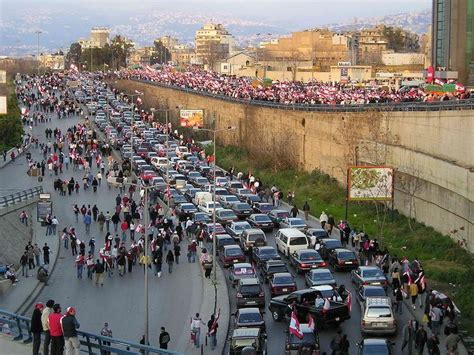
[(382, 198)]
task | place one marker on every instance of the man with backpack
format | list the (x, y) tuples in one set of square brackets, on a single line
[(164, 338)]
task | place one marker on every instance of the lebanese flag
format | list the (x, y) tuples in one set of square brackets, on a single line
[(214, 324), (139, 229), (349, 301), (138, 101), (294, 327), (460, 88), (439, 82), (310, 322)]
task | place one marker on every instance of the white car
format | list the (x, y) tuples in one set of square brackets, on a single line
[(209, 206), (289, 240)]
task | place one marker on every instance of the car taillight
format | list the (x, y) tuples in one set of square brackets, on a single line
[(340, 262), (304, 265), (239, 295), (366, 283), (315, 352), (261, 294), (287, 347), (384, 283), (323, 264), (363, 323)]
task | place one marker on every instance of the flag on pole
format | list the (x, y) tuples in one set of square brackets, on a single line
[(294, 327), (214, 324)]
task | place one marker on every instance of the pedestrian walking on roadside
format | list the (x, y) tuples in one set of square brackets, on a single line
[(294, 211), (24, 218), (177, 253), (436, 315), (433, 345), (76, 212), (164, 338), (196, 323), (108, 217), (24, 264), (37, 252), (95, 212), (46, 252), (170, 261), (413, 294), (79, 265), (306, 210), (408, 337), (99, 272), (31, 255), (421, 337), (36, 327), (323, 218), (106, 332), (87, 222), (398, 300), (101, 220), (45, 324), (56, 331), (212, 326)]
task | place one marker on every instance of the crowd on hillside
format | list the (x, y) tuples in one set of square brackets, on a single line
[(284, 92)]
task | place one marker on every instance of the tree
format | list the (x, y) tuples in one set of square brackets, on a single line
[(395, 38), (74, 55), (120, 49), (411, 184), (160, 54)]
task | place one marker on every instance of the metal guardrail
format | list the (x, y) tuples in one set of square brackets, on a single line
[(390, 106), (20, 196), (19, 327)]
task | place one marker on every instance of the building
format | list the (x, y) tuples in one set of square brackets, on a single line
[(183, 55), (236, 64), (320, 46), (52, 61), (169, 42), (100, 36), (140, 56), (389, 57), (213, 43), (452, 38), (371, 44)]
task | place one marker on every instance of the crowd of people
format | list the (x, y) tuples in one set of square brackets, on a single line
[(283, 92)]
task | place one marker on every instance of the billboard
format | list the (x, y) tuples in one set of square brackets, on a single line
[(191, 118), (366, 183), (3, 105)]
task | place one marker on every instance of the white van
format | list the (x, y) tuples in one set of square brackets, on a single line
[(202, 196), (158, 162), (289, 240)]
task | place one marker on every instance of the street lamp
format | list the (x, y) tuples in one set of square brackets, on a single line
[(214, 245)]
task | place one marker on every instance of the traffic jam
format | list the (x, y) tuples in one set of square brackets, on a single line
[(292, 285)]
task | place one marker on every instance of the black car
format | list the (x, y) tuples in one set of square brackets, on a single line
[(306, 259), (343, 259), (369, 291), (309, 344), (375, 346), (250, 293), (262, 221), (327, 245), (248, 337), (222, 240), (251, 317), (261, 255), (262, 207), (272, 267), (241, 209)]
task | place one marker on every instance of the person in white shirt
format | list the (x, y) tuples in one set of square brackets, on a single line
[(196, 323)]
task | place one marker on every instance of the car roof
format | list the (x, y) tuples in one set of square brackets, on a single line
[(246, 332), (254, 230), (363, 268), (265, 247), (321, 271), (330, 240), (340, 250), (282, 274), (275, 262), (237, 265), (250, 281), (374, 341), (232, 246), (292, 232), (312, 251), (249, 310), (378, 301), (371, 287), (323, 288)]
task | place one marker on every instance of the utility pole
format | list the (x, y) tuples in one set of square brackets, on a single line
[(38, 33), (145, 251)]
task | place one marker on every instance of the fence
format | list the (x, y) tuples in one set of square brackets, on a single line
[(19, 328), (20, 196), (390, 106)]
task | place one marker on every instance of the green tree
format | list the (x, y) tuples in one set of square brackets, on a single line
[(120, 49), (395, 38), (11, 128), (74, 55), (160, 54)]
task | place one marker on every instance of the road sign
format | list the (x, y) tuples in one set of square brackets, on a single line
[(43, 209), (3, 105)]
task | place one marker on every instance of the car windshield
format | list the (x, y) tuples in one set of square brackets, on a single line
[(282, 214), (297, 222), (379, 312), (242, 207), (275, 269), (201, 217), (372, 273), (262, 219), (250, 289), (346, 255), (233, 251), (333, 244), (188, 207), (375, 350), (298, 241), (283, 280), (228, 214), (328, 293), (374, 292), (244, 342), (254, 237), (322, 276), (307, 338), (244, 271), (309, 256), (241, 227), (250, 317)]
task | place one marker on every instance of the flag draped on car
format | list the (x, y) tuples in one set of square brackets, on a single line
[(294, 327)]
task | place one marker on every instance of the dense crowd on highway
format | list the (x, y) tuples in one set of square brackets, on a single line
[(266, 248), (284, 92)]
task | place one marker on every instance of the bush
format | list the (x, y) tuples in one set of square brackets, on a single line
[(11, 128)]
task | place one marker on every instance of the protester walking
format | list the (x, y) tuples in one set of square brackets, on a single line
[(196, 323), (212, 326), (170, 261), (164, 338), (306, 210)]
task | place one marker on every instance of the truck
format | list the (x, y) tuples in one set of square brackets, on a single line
[(303, 301)]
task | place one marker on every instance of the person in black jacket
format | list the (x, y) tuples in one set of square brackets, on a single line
[(70, 325), (36, 327)]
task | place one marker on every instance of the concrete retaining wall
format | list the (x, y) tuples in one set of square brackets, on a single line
[(434, 149)]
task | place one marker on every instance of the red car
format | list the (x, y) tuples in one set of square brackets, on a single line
[(282, 283), (148, 174), (143, 152), (231, 254)]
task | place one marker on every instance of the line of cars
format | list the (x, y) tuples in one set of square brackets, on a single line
[(242, 245)]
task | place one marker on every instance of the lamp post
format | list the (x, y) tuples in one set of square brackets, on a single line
[(38, 33), (214, 245)]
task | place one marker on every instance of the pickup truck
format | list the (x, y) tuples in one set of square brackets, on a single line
[(304, 301)]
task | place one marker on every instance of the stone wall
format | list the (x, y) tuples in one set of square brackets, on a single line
[(432, 151)]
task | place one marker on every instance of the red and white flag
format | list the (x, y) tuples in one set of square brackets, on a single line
[(439, 82), (214, 324), (139, 101), (349, 301), (294, 327)]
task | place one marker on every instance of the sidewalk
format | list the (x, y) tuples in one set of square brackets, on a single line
[(8, 346), (18, 298)]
